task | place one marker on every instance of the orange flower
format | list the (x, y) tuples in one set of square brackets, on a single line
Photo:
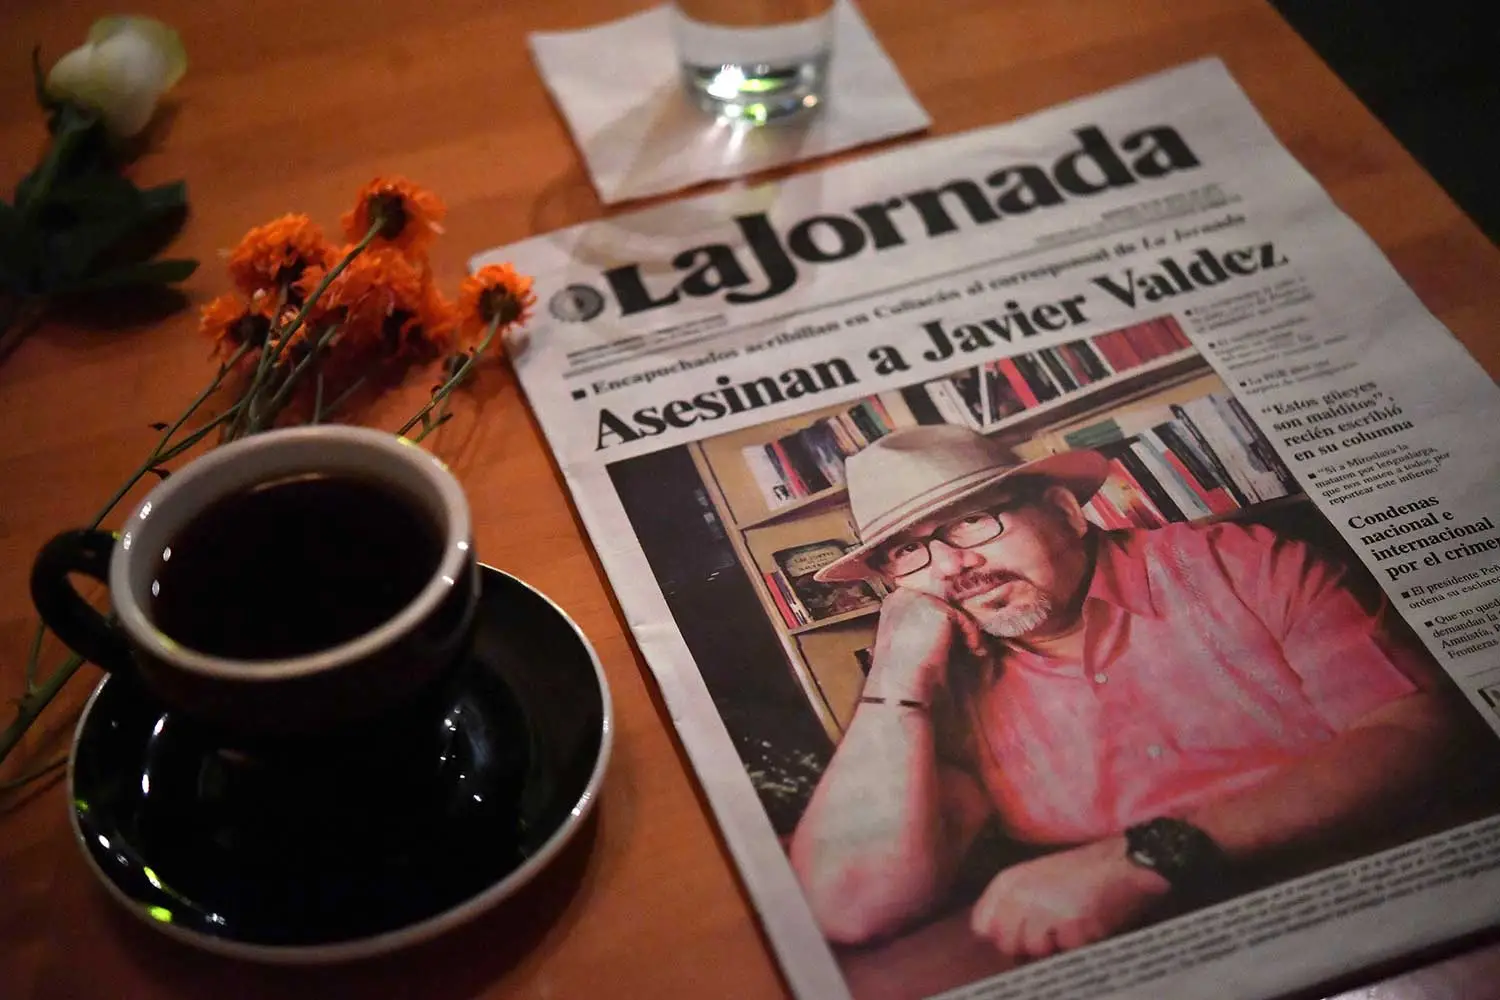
[(275, 255), (387, 305), (494, 293), (229, 321), (325, 310), (411, 214)]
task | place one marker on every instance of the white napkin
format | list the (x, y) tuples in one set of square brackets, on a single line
[(617, 86)]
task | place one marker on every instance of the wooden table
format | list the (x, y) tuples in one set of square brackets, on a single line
[(289, 106)]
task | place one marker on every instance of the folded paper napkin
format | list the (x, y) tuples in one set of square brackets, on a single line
[(618, 88)]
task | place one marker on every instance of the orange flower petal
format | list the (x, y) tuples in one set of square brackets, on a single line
[(387, 305), (494, 292), (228, 321), (276, 254), (412, 215)]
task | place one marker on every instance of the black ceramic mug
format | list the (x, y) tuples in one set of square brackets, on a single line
[(378, 674)]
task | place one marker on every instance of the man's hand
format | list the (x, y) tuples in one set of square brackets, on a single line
[(1065, 900), (916, 639)]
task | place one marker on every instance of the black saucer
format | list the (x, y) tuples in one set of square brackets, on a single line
[(209, 848)]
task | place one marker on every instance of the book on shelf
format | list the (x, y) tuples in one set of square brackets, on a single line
[(1122, 503), (775, 490), (810, 460), (1002, 395), (787, 605), (969, 387), (1249, 461), (1173, 463), (1018, 383), (950, 403), (802, 600)]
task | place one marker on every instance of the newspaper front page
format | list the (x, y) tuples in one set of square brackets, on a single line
[(1067, 551)]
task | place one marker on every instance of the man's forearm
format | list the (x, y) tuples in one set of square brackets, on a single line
[(1365, 774), (873, 848)]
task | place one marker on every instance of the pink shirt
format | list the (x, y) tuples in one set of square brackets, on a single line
[(1212, 656)]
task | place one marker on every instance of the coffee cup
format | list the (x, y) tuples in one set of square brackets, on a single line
[(283, 588)]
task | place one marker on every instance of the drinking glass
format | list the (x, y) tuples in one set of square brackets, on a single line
[(754, 60)]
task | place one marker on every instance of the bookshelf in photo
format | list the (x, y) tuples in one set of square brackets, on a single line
[(1180, 448), (1173, 461), (808, 462)]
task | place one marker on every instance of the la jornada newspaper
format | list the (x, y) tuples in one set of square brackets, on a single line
[(1067, 551)]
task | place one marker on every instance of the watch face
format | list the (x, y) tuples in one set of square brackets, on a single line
[(1175, 849)]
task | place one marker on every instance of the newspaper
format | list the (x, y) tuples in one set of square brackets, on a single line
[(1066, 550)]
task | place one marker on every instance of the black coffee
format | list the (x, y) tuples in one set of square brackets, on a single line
[(293, 566)]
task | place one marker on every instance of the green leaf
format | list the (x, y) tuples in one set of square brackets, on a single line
[(151, 272), (71, 133), (99, 221), (98, 195), (17, 251), (10, 225), (72, 252), (164, 198)]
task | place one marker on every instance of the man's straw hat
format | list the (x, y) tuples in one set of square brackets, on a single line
[(912, 475)]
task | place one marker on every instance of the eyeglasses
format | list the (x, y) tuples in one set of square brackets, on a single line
[(903, 558)]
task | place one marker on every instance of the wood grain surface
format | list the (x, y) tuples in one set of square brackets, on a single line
[(289, 106)]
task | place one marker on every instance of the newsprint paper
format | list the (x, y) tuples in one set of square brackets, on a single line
[(1067, 551)]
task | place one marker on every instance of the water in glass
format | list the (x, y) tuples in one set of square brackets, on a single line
[(754, 60)]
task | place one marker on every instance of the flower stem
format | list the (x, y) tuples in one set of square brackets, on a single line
[(33, 656), (73, 124), (157, 456), (36, 697), (32, 703), (30, 776), (284, 391), (262, 365), (442, 418), (317, 293), (453, 380), (344, 396), (254, 418), (199, 434)]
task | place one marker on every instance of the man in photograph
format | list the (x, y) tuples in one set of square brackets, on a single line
[(1155, 713)]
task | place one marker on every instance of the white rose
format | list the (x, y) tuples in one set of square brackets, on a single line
[(123, 69)]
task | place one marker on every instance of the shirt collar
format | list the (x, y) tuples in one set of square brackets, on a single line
[(1120, 576)]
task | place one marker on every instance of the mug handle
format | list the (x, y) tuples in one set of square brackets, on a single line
[(85, 630)]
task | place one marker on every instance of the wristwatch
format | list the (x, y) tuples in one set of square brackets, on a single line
[(1176, 850)]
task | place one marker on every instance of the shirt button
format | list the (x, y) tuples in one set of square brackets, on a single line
[(1153, 751), (1101, 677)]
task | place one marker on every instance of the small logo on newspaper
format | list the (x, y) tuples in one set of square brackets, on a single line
[(576, 304)]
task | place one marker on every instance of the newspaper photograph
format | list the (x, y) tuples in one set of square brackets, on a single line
[(1066, 551)]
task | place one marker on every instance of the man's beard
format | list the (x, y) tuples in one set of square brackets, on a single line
[(1028, 609)]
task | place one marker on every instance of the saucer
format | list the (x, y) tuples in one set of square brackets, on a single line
[(201, 844)]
